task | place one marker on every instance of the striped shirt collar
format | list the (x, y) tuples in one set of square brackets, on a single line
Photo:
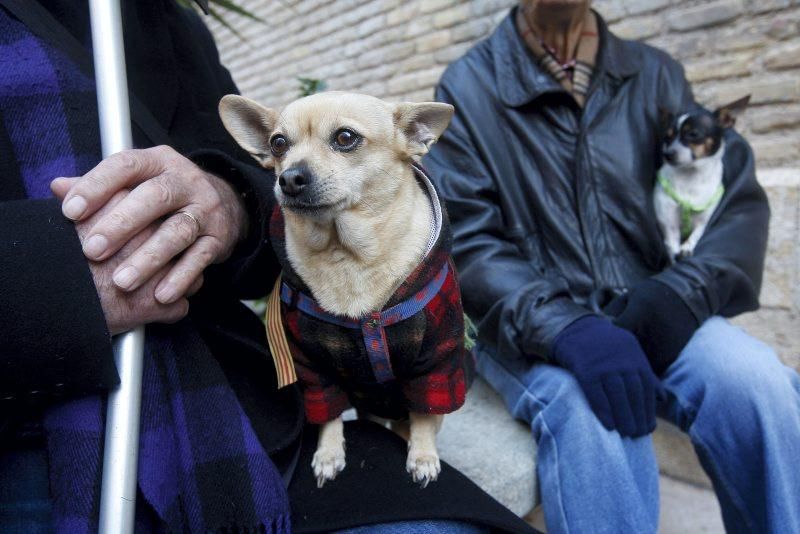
[(576, 75)]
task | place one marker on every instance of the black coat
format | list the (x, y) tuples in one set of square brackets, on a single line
[(54, 344), (550, 202)]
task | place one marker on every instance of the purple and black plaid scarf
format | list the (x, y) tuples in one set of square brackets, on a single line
[(201, 467)]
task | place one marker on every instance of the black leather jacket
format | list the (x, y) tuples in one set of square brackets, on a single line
[(550, 203)]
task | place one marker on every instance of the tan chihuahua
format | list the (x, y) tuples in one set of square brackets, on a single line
[(364, 231)]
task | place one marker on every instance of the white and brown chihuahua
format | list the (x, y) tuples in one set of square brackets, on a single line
[(357, 221), (689, 186)]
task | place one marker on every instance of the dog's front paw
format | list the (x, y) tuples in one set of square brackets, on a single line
[(686, 251), (423, 465), (327, 463)]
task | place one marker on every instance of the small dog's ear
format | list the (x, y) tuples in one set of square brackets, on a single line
[(422, 123), (250, 124), (726, 115)]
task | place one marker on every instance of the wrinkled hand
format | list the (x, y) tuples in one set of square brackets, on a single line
[(194, 219), (124, 310)]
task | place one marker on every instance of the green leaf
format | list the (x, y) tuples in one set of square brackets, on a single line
[(470, 333), (216, 16), (309, 86), (227, 5), (230, 6)]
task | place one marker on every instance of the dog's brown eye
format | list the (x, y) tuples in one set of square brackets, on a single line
[(345, 139), (279, 145)]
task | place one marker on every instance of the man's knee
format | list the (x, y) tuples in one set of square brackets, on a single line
[(555, 399), (727, 371)]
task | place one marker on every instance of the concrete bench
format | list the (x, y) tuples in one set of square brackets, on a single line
[(483, 429)]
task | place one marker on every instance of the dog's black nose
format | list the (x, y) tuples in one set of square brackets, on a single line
[(294, 180), (671, 155)]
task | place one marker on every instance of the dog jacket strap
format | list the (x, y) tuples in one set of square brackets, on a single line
[(377, 348), (309, 306), (372, 325), (409, 307), (687, 208), (276, 338)]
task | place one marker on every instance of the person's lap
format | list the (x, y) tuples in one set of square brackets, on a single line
[(583, 469), (25, 506), (741, 408), (727, 390)]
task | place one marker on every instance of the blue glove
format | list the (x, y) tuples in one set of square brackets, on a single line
[(613, 373)]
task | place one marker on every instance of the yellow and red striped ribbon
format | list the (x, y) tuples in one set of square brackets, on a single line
[(276, 337)]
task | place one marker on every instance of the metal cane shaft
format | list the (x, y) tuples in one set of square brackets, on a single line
[(121, 453), (120, 457)]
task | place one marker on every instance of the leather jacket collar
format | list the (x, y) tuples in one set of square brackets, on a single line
[(520, 79)]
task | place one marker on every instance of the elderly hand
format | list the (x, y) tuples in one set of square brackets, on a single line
[(124, 310), (197, 218)]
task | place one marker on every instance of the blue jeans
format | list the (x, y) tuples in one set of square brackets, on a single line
[(418, 527), (728, 391)]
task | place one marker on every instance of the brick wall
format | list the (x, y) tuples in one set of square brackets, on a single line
[(398, 49)]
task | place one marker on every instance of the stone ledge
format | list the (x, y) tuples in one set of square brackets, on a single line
[(676, 456), (496, 452), (779, 177), (778, 329), (782, 267)]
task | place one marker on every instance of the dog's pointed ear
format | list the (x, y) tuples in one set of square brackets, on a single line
[(726, 115), (250, 124), (422, 124)]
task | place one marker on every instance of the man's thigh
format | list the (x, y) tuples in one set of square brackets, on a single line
[(541, 394), (576, 454), (526, 387), (725, 369)]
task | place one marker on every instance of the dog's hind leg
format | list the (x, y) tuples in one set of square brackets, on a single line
[(423, 459), (401, 428), (328, 460)]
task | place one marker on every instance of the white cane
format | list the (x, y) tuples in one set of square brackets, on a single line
[(121, 454)]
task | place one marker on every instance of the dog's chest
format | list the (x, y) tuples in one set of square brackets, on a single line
[(698, 189), (343, 285), (354, 265), (698, 182)]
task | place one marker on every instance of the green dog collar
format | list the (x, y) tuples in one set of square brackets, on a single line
[(687, 208)]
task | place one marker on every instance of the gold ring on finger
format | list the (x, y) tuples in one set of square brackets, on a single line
[(192, 217)]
